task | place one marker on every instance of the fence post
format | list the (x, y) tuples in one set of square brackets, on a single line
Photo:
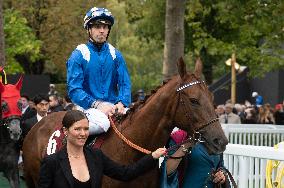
[(243, 171)]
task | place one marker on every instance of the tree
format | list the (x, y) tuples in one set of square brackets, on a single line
[(21, 43), (253, 29), (174, 36), (143, 56), (2, 52), (214, 29), (58, 24)]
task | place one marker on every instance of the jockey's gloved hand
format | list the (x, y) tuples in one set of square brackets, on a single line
[(118, 108), (105, 107)]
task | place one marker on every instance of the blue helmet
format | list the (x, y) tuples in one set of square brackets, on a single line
[(101, 14)]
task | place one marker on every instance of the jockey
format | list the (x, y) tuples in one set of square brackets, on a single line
[(98, 81)]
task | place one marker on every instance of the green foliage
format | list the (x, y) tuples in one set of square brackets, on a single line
[(149, 16), (19, 40), (252, 29), (143, 57)]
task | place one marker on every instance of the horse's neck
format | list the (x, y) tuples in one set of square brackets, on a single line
[(151, 125)]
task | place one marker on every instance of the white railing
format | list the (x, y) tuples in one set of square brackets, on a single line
[(248, 163), (254, 134)]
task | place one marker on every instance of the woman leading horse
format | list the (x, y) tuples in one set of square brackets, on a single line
[(184, 102)]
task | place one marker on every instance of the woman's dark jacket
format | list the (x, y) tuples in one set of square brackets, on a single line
[(55, 170)]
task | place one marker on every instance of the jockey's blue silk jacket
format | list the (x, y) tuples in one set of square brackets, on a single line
[(97, 75)]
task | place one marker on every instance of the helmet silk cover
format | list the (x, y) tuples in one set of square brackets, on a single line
[(102, 15)]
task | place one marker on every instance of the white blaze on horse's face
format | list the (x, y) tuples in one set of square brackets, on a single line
[(15, 130)]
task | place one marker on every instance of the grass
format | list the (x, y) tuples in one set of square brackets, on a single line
[(5, 184)]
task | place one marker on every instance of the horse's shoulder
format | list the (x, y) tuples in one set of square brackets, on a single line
[(52, 120)]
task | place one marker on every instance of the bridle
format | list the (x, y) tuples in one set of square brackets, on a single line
[(5, 123), (195, 138)]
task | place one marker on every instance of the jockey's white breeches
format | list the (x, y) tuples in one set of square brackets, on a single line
[(98, 121)]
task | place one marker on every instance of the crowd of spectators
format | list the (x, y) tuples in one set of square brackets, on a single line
[(248, 113), (33, 110)]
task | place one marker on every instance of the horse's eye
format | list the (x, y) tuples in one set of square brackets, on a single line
[(19, 104), (194, 101), (5, 107)]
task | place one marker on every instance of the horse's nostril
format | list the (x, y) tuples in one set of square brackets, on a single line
[(220, 142), (217, 141)]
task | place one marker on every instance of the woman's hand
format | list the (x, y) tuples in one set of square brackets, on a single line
[(159, 153), (219, 177)]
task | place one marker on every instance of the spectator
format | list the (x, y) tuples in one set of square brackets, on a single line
[(258, 99), (27, 111), (250, 116), (240, 112), (229, 117), (41, 105), (265, 116), (220, 110), (279, 114), (67, 103), (52, 90), (54, 105)]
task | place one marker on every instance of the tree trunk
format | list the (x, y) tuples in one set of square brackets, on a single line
[(2, 42), (174, 36), (207, 65)]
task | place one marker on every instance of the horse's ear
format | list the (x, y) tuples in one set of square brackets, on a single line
[(198, 67), (19, 83), (181, 68), (2, 87)]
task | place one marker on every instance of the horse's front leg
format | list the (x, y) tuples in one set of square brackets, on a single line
[(13, 177)]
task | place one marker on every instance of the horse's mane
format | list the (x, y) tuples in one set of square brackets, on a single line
[(139, 104)]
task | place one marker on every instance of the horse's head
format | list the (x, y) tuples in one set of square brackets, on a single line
[(11, 108), (195, 111)]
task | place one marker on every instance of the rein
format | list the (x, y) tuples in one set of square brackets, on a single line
[(128, 142)]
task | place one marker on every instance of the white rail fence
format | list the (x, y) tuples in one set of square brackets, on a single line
[(254, 134), (248, 163), (249, 149)]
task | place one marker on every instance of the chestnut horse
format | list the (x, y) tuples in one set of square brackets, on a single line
[(10, 131), (184, 102)]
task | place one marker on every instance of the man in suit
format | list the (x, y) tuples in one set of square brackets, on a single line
[(41, 105), (27, 111), (229, 117), (54, 105), (67, 103)]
